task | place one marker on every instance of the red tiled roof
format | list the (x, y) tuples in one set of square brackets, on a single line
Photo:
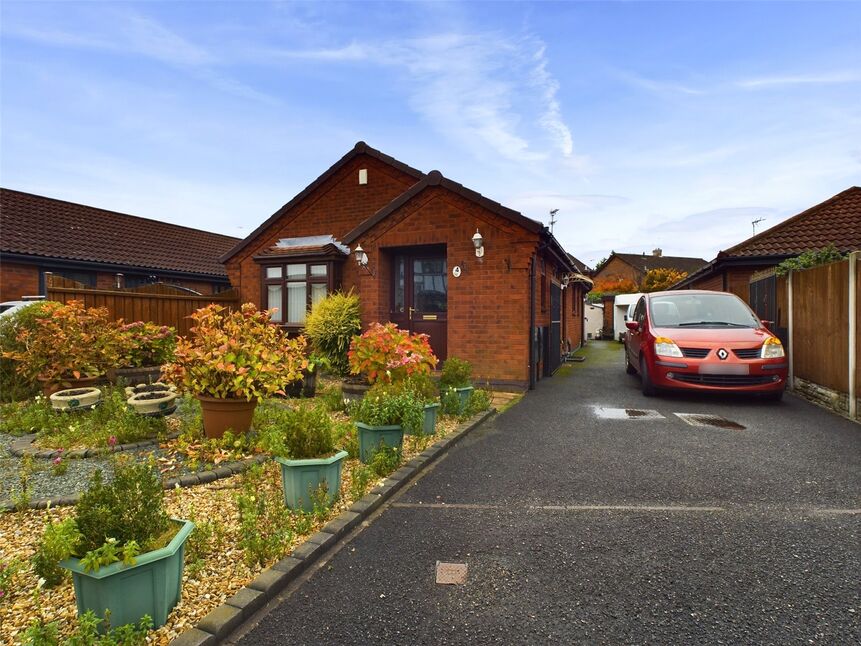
[(835, 221), (33, 225)]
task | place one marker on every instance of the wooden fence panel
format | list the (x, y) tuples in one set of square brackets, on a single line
[(820, 324), (163, 305), (858, 331)]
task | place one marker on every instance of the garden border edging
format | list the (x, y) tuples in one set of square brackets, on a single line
[(222, 620)]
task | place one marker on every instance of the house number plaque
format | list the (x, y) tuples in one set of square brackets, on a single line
[(455, 271)]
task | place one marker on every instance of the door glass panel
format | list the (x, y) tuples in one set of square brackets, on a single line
[(273, 299), (297, 302), (430, 285), (296, 272), (318, 270), (318, 293), (400, 271)]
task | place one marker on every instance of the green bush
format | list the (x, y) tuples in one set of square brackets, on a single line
[(456, 373), (89, 632), (265, 524), (300, 433), (129, 508), (479, 401), (809, 259), (13, 385), (422, 386), (388, 405), (331, 326), (450, 402), (58, 542)]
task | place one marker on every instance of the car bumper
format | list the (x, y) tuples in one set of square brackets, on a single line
[(748, 376)]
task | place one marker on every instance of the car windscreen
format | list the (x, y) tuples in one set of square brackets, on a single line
[(700, 310)]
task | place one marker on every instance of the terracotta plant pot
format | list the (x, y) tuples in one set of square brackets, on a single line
[(50, 387), (161, 402), (75, 398), (220, 415)]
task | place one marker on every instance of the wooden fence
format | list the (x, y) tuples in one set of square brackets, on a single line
[(824, 350), (159, 303)]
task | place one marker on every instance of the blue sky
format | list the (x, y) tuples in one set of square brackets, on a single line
[(669, 125)]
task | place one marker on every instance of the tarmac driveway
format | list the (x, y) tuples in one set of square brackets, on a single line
[(583, 523)]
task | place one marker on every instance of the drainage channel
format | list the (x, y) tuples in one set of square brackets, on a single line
[(714, 421), (626, 413)]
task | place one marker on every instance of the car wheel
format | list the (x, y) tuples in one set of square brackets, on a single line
[(646, 384), (628, 367)]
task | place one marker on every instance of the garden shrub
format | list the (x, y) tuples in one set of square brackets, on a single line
[(265, 527), (88, 632), (15, 386), (385, 460), (130, 508), (332, 398), (145, 344), (331, 326), (479, 401), (387, 405), (386, 353), (808, 259), (58, 541), (450, 402), (300, 433), (456, 373)]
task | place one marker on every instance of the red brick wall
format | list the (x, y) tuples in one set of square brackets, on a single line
[(616, 269), (17, 280), (488, 306), (714, 282), (336, 208)]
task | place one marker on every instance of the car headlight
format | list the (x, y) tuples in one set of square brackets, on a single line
[(772, 349), (665, 347)]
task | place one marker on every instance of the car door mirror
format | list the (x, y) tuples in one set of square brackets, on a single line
[(632, 325), (766, 324)]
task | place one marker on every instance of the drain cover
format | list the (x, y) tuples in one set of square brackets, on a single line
[(715, 421), (450, 573), (626, 413)]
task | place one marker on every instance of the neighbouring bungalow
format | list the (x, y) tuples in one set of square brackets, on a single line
[(748, 268), (634, 266), (101, 249), (488, 284)]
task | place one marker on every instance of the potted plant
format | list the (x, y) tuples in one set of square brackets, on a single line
[(457, 376), (75, 398), (144, 348), (124, 552), (302, 441), (232, 360), (70, 347), (381, 416), (425, 390), (385, 353), (153, 403)]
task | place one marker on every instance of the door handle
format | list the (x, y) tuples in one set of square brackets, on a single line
[(412, 309)]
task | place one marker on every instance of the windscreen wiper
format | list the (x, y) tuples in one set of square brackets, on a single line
[(712, 323)]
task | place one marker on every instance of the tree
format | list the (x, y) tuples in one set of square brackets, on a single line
[(612, 286), (661, 278)]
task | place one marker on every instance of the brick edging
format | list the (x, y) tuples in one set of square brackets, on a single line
[(219, 623), (21, 446), (225, 470)]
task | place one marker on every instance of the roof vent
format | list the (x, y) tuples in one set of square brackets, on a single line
[(363, 176), (657, 252)]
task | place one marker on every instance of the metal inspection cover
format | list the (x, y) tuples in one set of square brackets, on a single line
[(626, 413), (450, 573), (714, 421)]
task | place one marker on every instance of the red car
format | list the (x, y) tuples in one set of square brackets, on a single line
[(704, 341)]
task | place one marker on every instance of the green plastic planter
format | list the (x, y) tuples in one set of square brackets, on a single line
[(464, 394), (431, 412), (301, 478), (152, 586), (371, 437)]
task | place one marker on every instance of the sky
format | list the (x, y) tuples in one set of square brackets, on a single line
[(648, 125)]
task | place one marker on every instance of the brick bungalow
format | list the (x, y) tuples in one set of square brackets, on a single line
[(747, 269), (91, 246), (634, 266), (418, 233)]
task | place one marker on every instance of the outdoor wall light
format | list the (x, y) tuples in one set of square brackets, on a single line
[(478, 243), (362, 259), (566, 280)]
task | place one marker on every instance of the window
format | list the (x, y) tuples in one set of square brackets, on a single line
[(293, 288)]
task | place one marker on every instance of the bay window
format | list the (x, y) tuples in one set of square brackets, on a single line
[(292, 288)]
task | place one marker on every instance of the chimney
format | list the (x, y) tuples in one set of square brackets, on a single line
[(657, 252)]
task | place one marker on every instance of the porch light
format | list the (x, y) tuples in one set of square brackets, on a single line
[(361, 256), (478, 243)]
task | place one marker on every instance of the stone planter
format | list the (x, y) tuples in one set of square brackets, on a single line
[(221, 415), (158, 386), (354, 391), (75, 399), (140, 375), (50, 387), (152, 586), (302, 478), (154, 404), (371, 437)]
